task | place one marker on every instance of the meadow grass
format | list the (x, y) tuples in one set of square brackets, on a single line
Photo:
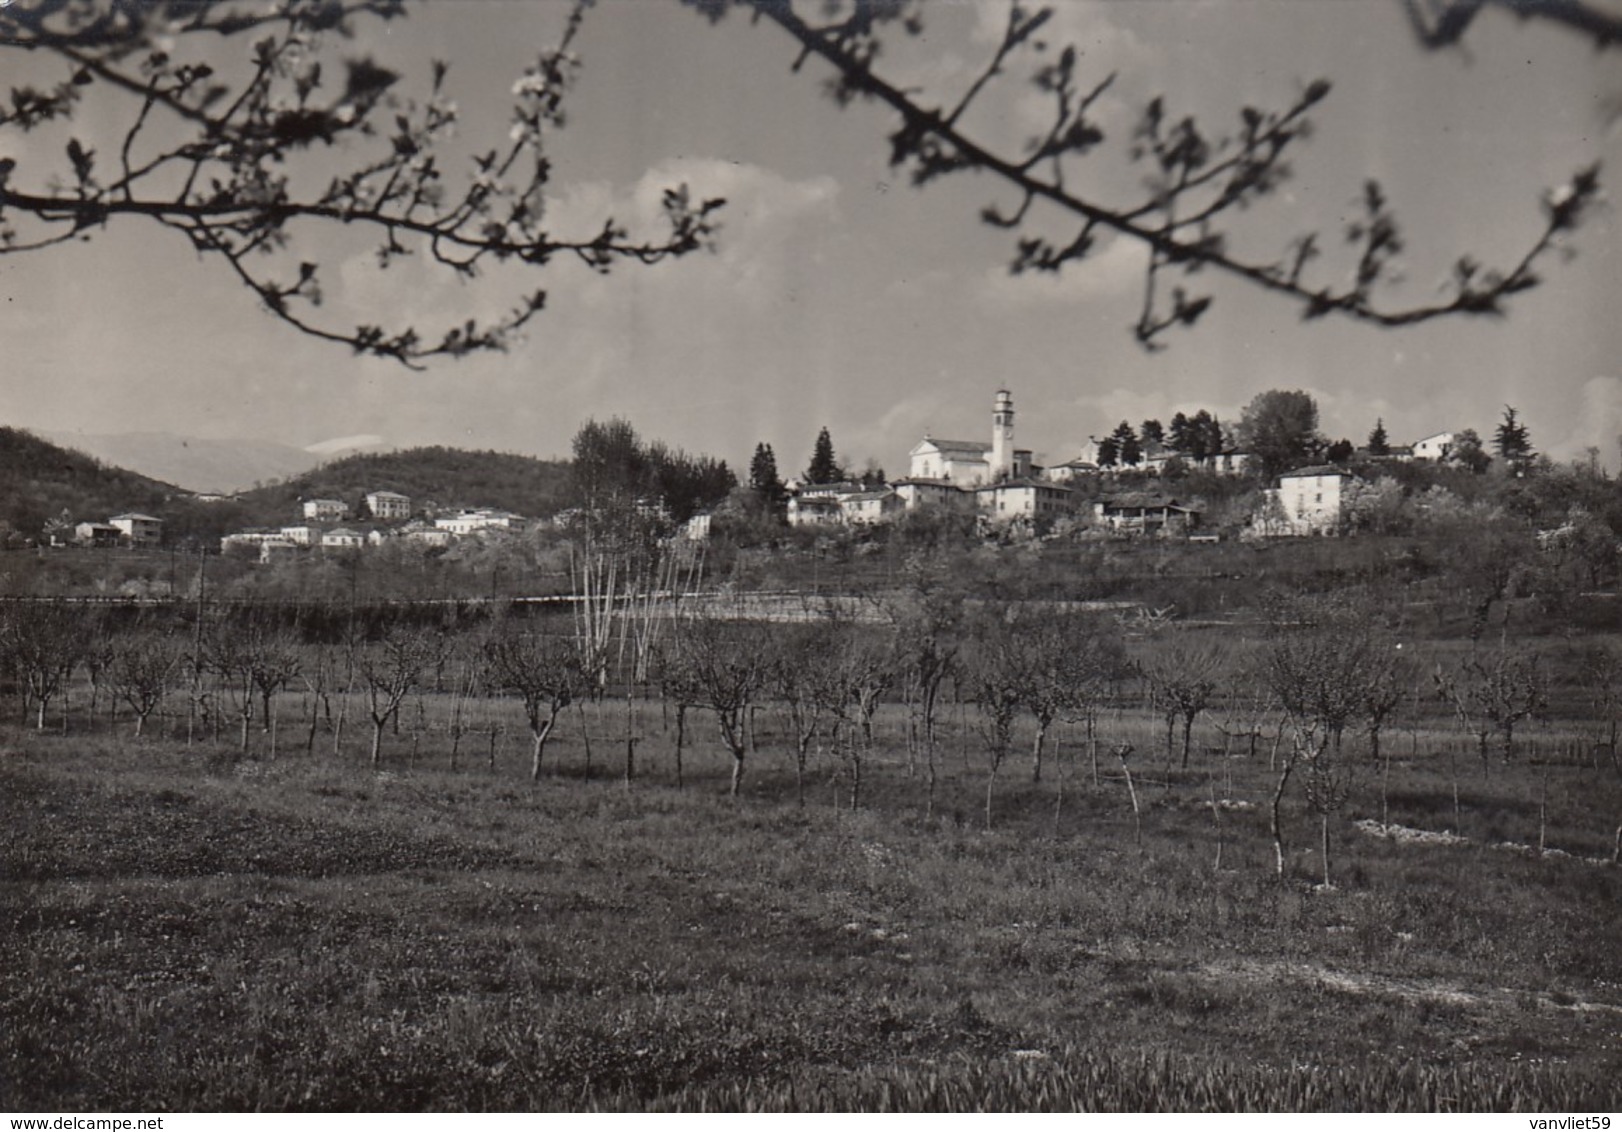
[(188, 928)]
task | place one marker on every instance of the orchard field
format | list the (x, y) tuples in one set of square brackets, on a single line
[(1272, 863)]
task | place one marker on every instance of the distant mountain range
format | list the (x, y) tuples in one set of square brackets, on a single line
[(197, 464)]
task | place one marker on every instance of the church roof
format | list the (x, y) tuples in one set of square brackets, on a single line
[(969, 447)]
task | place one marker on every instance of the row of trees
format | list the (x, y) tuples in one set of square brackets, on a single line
[(1317, 691)]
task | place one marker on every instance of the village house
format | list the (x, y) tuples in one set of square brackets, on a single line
[(1022, 498), (1144, 513), (424, 534), (915, 493), (1435, 448), (301, 535), (867, 507), (138, 529), (1307, 501), (96, 534), (326, 510), (1071, 470), (342, 538), (817, 504), (482, 520), (388, 505), (240, 541), (277, 550)]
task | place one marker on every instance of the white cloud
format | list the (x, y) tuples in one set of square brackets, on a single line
[(1599, 424), (767, 223), (1114, 271)]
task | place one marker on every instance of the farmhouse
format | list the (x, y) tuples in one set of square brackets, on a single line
[(866, 507), (915, 493), (342, 538), (1307, 501), (96, 534), (1022, 498), (1143, 513), (138, 529), (326, 510), (1435, 448)]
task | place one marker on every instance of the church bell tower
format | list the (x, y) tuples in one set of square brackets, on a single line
[(1002, 436)]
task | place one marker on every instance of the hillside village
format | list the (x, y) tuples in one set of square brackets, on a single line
[(1121, 485), (1000, 484)]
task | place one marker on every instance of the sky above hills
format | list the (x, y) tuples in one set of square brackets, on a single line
[(838, 295)]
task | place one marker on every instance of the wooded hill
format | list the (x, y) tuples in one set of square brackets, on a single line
[(41, 482), (444, 477)]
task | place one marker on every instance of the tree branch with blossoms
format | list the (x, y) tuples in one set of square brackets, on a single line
[(1196, 181), (230, 144)]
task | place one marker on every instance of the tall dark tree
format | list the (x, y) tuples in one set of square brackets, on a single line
[(1109, 452), (824, 468), (1512, 441), (1152, 433), (1179, 436), (1127, 448), (1340, 452), (1379, 444), (1280, 427), (1467, 451), (610, 464), (764, 480)]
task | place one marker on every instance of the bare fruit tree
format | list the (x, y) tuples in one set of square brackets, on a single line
[(545, 672), (1184, 678), (46, 642), (998, 682), (725, 666), (391, 668), (804, 676), (1321, 661), (1493, 692), (142, 671)]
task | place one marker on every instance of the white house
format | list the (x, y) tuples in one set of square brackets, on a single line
[(138, 529), (96, 534), (326, 510), (484, 519), (424, 535), (1436, 447), (867, 507), (1071, 470), (817, 504), (1013, 499), (388, 505), (277, 549), (1307, 501), (342, 538), (301, 535), (238, 540), (916, 493)]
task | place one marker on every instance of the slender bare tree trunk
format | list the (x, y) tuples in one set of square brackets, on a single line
[(681, 737), (1275, 827), (1323, 843)]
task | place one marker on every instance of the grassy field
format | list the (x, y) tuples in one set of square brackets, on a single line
[(189, 928)]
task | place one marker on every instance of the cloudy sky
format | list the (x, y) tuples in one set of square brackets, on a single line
[(839, 295)]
